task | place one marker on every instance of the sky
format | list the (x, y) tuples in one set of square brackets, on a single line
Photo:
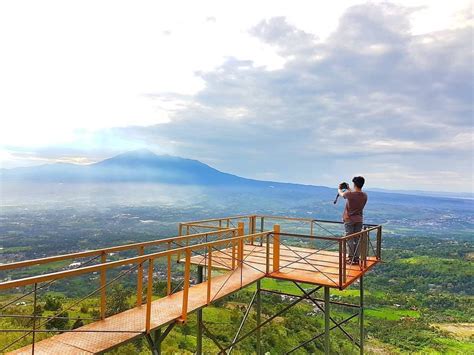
[(296, 91)]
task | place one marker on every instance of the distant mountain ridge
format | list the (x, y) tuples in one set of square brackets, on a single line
[(461, 195), (134, 166), (144, 166), (141, 166)]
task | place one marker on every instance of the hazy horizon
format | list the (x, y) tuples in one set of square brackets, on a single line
[(311, 93), (441, 193)]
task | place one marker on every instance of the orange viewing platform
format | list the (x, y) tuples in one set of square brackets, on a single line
[(130, 323), (229, 254)]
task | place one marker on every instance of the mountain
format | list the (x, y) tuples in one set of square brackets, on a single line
[(134, 166), (141, 178), (143, 166), (462, 195)]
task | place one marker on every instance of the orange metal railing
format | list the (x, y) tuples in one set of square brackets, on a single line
[(139, 260), (231, 235), (104, 252)]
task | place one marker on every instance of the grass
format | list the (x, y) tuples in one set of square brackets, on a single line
[(40, 269), (459, 330), (429, 260), (355, 293), (13, 250), (376, 347), (391, 313), (454, 346), (216, 315), (418, 260), (289, 287), (277, 285)]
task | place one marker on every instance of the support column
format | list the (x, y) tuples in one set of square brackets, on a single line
[(326, 320), (157, 341), (361, 314), (258, 305), (156, 337), (200, 278)]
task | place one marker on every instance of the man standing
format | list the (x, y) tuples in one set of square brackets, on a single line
[(353, 214)]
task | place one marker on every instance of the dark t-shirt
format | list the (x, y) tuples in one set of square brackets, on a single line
[(355, 203)]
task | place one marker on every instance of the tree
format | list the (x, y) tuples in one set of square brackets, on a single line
[(94, 313), (52, 303), (127, 349), (186, 329), (58, 323), (117, 300)]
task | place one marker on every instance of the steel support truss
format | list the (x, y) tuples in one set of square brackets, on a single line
[(323, 305), (156, 337)]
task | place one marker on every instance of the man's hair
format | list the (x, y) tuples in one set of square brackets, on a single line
[(358, 181)]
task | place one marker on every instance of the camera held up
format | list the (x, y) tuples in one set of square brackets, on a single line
[(342, 186)]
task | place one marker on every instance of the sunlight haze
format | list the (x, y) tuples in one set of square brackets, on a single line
[(287, 91)]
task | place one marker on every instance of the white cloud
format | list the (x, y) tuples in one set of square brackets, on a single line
[(94, 78)]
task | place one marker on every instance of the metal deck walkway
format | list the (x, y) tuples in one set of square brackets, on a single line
[(312, 266), (164, 311), (238, 260)]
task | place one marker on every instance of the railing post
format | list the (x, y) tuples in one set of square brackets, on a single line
[(140, 279), (367, 242), (341, 262), (311, 228), (363, 249), (240, 249), (35, 296), (180, 233), (233, 250), (276, 247), (252, 227), (344, 268), (103, 281), (267, 254), (379, 243), (168, 279), (209, 274), (187, 269), (149, 294)]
